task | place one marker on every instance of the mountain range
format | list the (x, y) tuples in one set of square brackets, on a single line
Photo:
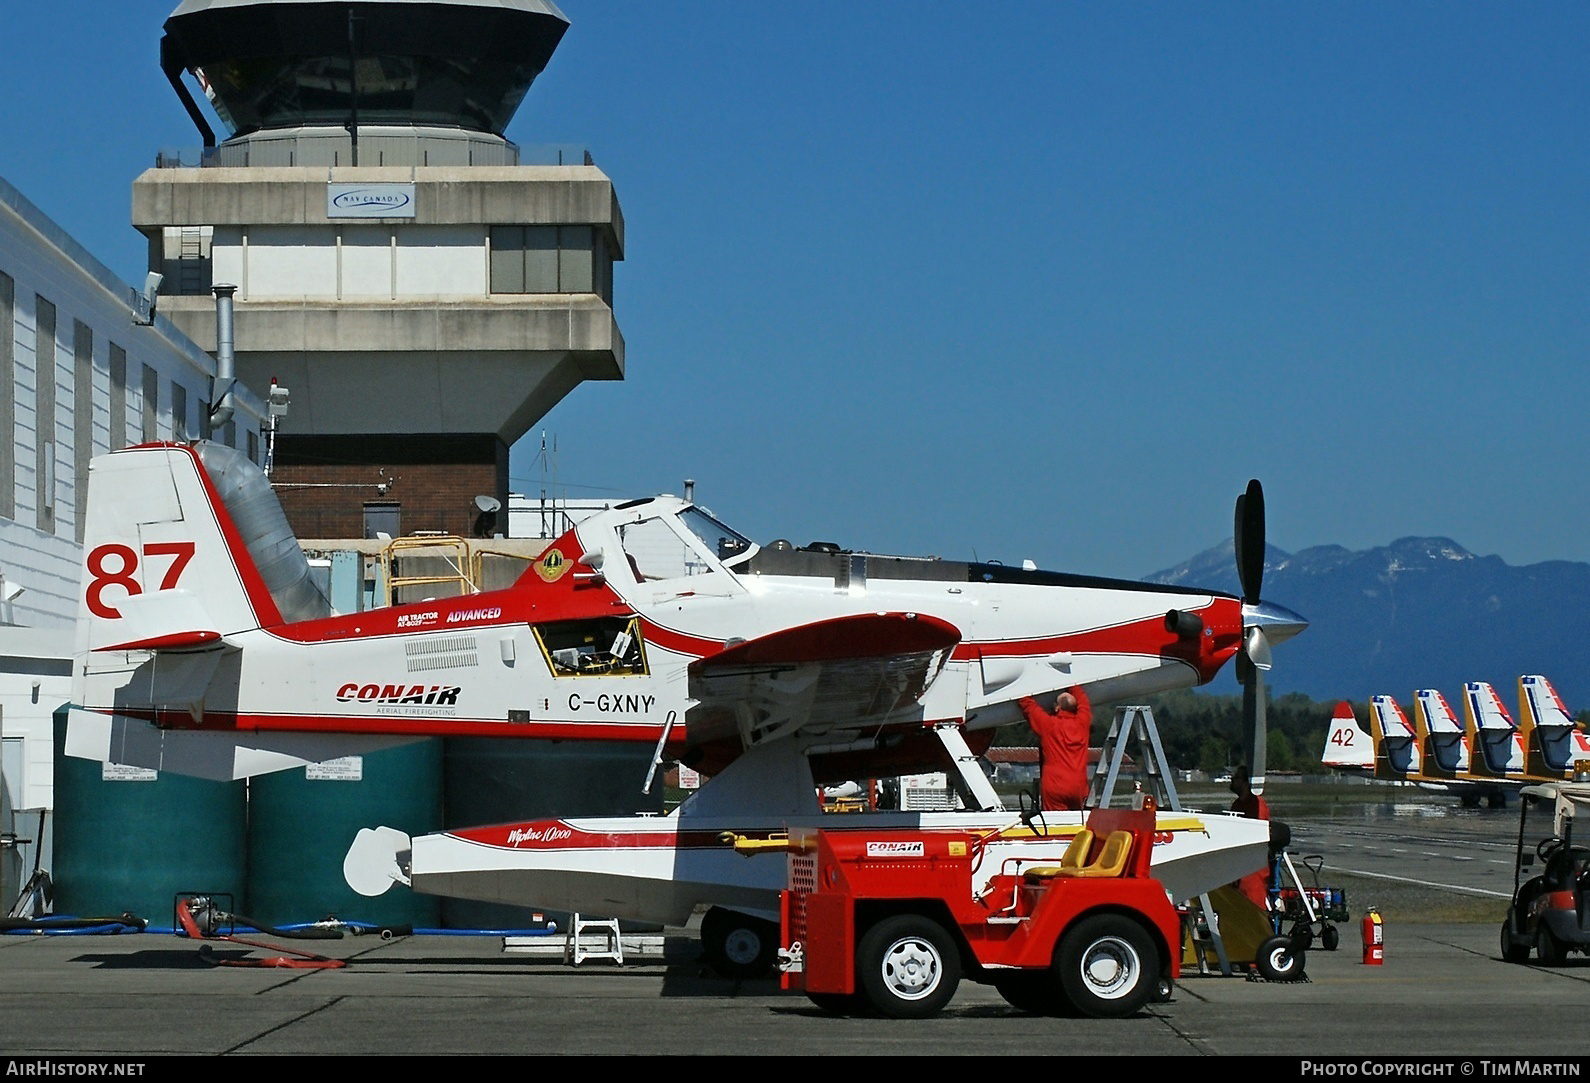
[(1418, 613)]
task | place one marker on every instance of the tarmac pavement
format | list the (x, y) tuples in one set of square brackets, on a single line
[(1441, 991)]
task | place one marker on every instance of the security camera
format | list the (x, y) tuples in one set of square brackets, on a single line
[(144, 302)]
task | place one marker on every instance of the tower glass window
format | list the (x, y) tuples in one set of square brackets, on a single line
[(550, 259)]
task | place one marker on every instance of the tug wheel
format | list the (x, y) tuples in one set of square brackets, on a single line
[(1108, 966), (908, 966)]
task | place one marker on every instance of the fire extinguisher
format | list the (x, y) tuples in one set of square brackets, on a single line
[(1374, 933)]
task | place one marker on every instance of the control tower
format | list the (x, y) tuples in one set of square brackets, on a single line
[(423, 292)]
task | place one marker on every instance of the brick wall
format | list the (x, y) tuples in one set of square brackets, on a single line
[(325, 482)]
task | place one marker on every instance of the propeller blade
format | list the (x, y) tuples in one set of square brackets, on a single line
[(1254, 736), (1256, 645), (1254, 659), (1248, 541), (1237, 541)]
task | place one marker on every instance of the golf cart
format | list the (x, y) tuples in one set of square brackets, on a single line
[(1550, 911)]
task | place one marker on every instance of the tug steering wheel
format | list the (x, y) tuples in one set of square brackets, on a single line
[(1031, 814)]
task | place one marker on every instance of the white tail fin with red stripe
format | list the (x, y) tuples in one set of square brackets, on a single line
[(1347, 746), (184, 545), (183, 548)]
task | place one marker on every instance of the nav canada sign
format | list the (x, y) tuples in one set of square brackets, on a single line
[(369, 201)]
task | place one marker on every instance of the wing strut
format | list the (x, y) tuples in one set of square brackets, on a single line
[(656, 757), (974, 784)]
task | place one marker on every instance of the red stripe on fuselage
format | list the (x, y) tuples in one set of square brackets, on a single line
[(1146, 636), (544, 835), (397, 725), (679, 642)]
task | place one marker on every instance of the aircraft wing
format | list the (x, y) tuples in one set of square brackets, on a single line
[(819, 683)]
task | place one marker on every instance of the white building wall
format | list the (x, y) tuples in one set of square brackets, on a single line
[(366, 270), (40, 552), (289, 261), (363, 261), (40, 540), (226, 256), (441, 261)]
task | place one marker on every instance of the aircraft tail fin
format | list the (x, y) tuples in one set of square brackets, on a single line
[(1396, 743), (1491, 733), (1347, 746), (1547, 729), (1440, 735), (184, 545)]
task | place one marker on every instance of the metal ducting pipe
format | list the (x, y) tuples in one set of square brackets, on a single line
[(225, 356)]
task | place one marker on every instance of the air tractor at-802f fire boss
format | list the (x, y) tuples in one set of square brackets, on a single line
[(204, 648)]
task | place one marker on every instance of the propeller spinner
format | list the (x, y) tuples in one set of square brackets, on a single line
[(1263, 624)]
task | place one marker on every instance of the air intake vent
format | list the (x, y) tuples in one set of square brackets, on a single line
[(446, 652)]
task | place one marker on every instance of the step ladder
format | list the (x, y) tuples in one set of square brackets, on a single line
[(593, 938), (1133, 726)]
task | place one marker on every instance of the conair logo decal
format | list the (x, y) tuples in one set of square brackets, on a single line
[(402, 698), (552, 565)]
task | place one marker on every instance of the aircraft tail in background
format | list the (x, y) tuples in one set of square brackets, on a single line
[(1348, 748), (1396, 743), (1552, 740), (1495, 750), (1443, 750)]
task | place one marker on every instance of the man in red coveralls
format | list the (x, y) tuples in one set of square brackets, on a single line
[(1062, 748)]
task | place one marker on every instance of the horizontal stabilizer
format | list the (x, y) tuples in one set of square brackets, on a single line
[(164, 620)]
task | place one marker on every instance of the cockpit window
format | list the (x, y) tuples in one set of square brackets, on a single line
[(715, 537), (654, 550), (603, 647)]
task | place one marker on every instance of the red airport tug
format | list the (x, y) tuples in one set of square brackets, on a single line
[(889, 921)]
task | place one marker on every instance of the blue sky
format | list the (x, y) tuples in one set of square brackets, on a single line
[(1027, 280)]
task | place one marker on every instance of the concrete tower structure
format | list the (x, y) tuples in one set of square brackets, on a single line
[(424, 294)]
